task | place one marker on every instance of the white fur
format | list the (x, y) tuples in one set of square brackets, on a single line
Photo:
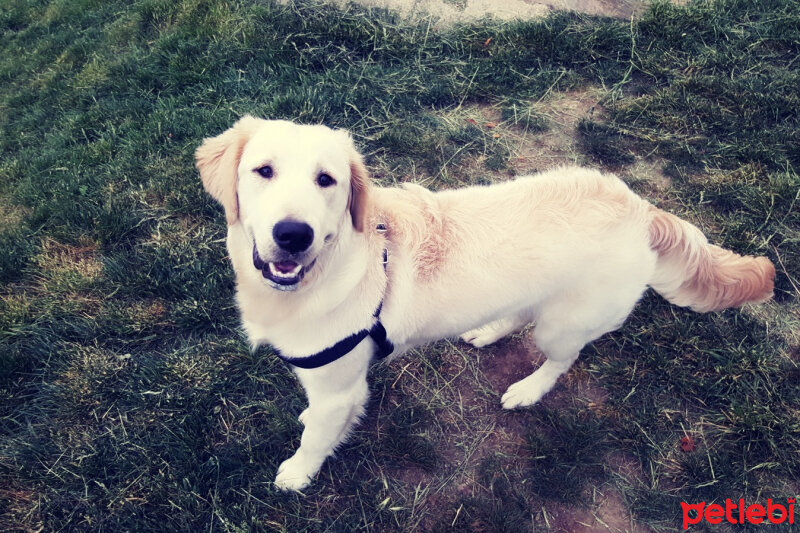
[(568, 249)]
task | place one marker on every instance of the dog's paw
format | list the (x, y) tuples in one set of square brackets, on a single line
[(294, 474), (482, 336), (302, 416), (525, 392)]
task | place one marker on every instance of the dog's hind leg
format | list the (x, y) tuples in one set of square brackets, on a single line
[(561, 349), (563, 327), (494, 331)]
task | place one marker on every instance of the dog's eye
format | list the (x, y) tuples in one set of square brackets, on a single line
[(265, 171), (323, 180)]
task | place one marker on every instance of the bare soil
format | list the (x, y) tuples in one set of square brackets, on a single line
[(449, 12)]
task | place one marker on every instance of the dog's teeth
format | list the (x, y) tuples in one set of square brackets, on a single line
[(275, 272), (278, 274)]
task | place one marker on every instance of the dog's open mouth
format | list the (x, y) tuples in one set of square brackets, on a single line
[(281, 275)]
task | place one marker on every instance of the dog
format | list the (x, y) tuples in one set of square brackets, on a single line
[(332, 270)]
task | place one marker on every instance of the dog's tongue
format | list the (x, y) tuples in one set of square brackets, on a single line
[(285, 267)]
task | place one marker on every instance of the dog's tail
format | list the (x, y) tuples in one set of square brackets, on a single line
[(691, 272)]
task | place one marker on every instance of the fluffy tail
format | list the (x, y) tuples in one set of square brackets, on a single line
[(691, 272)]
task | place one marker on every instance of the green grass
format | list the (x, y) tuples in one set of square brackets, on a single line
[(128, 398)]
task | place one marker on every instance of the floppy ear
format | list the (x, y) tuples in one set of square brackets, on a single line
[(217, 159), (359, 186)]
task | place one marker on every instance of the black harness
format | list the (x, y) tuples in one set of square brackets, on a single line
[(383, 346)]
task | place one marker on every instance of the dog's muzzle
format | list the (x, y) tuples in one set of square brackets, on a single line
[(281, 275)]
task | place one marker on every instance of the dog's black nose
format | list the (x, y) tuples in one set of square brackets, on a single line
[(293, 236)]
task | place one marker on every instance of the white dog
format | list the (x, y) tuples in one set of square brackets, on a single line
[(330, 270)]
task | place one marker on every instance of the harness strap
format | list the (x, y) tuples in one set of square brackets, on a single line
[(384, 347), (328, 355)]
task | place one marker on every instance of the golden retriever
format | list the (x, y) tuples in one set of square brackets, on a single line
[(330, 269)]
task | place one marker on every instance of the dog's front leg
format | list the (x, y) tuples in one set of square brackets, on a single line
[(336, 402)]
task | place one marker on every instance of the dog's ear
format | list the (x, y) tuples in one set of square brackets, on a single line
[(359, 185), (359, 191), (217, 159)]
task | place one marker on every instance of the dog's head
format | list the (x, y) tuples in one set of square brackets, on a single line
[(292, 187)]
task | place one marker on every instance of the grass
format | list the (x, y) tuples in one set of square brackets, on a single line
[(128, 399)]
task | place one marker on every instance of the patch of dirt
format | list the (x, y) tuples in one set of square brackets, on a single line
[(531, 152), (483, 427), (608, 512), (510, 361), (647, 177), (556, 146), (471, 430), (609, 8), (625, 466), (467, 407), (449, 12)]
